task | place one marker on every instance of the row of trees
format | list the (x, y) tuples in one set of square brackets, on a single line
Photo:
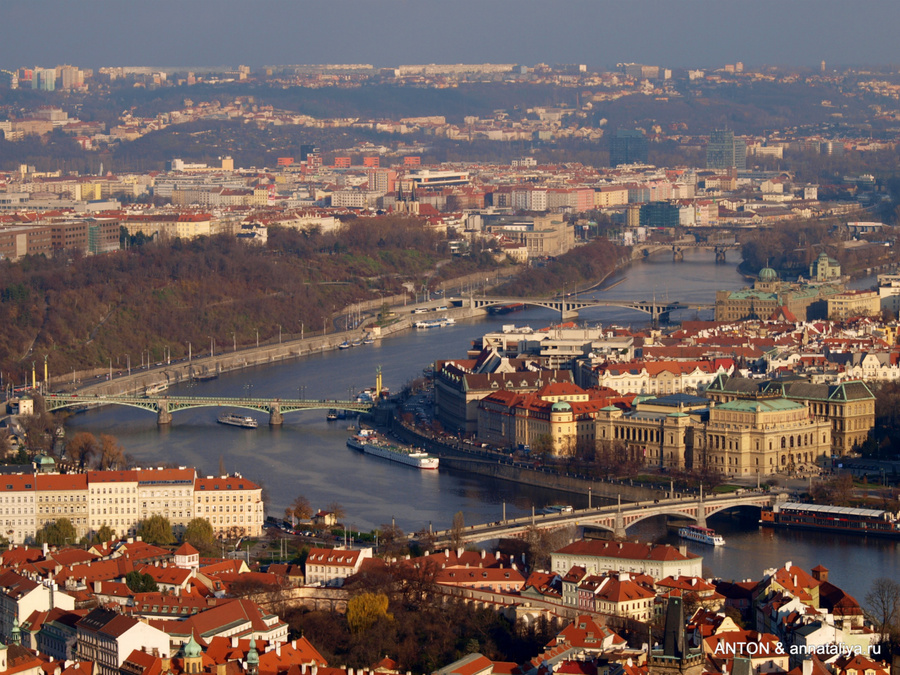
[(106, 451), (155, 530)]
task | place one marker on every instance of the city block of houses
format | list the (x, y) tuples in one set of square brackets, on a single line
[(70, 610)]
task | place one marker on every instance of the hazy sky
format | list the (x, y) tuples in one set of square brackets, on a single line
[(673, 33)]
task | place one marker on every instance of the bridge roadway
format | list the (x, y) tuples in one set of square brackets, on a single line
[(164, 406), (615, 518), (568, 307)]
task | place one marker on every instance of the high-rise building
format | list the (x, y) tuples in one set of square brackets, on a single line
[(628, 146), (44, 79), (725, 151), (71, 77)]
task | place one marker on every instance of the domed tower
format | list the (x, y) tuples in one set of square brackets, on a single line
[(767, 281), (193, 656), (252, 659)]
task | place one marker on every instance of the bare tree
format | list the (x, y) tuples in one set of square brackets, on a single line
[(393, 540), (112, 454), (81, 447), (883, 606), (542, 543), (300, 509), (457, 530), (337, 509)]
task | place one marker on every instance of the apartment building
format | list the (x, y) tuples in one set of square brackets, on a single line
[(167, 492), (17, 507), (183, 225), (112, 500), (232, 504), (106, 638), (121, 499), (20, 596), (62, 496)]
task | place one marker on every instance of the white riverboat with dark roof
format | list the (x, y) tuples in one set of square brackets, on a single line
[(235, 420), (703, 535), (368, 442)]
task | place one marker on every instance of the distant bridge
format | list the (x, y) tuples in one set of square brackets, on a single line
[(678, 249), (568, 307), (164, 406), (615, 518)]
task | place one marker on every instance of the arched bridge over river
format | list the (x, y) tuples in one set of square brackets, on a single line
[(568, 307), (164, 406), (615, 518)]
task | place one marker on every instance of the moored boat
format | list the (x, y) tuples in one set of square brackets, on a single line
[(332, 415), (235, 420), (827, 518), (507, 309), (557, 509), (344, 345), (703, 535), (366, 441)]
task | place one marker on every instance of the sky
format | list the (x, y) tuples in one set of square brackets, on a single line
[(598, 33)]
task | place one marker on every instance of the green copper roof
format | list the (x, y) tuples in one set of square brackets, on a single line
[(252, 654), (192, 649), (760, 405)]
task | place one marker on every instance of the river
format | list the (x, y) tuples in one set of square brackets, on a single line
[(308, 455)]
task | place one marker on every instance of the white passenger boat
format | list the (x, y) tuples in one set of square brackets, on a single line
[(703, 535), (366, 441), (235, 420)]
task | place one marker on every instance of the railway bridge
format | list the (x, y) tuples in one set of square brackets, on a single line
[(720, 249), (164, 406), (615, 518)]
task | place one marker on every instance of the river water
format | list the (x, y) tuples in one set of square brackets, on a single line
[(308, 455)]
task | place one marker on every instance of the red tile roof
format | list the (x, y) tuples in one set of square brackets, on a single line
[(626, 549)]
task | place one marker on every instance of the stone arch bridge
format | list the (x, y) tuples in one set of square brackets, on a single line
[(568, 307), (616, 518)]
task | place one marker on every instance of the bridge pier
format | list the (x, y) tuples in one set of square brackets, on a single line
[(701, 514), (566, 312), (275, 416), (619, 529), (163, 416), (677, 253), (720, 255)]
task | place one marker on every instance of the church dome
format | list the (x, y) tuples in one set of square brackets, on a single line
[(768, 274)]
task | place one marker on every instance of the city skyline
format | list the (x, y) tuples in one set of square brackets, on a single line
[(166, 33)]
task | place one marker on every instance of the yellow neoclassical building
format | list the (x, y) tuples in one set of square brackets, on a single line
[(764, 436), (742, 437)]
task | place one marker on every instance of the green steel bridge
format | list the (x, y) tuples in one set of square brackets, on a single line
[(164, 406)]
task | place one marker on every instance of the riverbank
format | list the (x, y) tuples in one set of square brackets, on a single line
[(159, 377), (456, 456)]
